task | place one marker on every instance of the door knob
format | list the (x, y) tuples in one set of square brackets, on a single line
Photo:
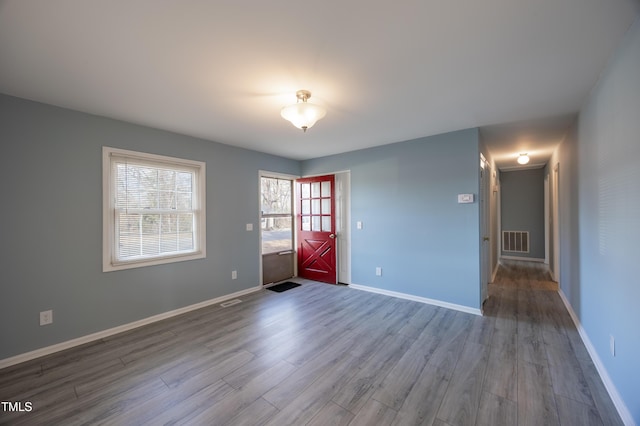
[(485, 239), (332, 236)]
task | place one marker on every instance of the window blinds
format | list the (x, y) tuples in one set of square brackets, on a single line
[(155, 209)]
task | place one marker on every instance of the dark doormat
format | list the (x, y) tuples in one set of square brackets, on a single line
[(279, 288)]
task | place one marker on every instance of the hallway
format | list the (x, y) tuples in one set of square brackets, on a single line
[(545, 367)]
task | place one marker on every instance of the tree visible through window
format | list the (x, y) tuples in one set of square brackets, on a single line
[(155, 209), (276, 206)]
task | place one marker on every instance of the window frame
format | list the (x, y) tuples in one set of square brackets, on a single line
[(290, 215), (109, 226)]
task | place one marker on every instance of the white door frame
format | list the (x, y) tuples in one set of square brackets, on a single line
[(495, 223), (343, 225), (555, 226), (547, 211), (485, 229)]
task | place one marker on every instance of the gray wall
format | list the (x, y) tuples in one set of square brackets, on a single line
[(608, 206), (51, 226), (406, 196), (522, 208), (599, 210)]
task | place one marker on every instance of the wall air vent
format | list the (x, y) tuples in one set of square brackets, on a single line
[(515, 241)]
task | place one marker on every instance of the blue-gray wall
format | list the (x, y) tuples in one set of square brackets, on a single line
[(51, 226), (405, 194), (522, 208), (600, 218)]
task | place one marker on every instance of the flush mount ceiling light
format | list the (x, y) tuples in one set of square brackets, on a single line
[(523, 158), (303, 114)]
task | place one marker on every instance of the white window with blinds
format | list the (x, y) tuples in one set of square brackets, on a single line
[(154, 209)]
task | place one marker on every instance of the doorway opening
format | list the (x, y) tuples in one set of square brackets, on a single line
[(285, 216), (276, 228)]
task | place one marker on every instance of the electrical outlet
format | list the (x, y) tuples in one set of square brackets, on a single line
[(46, 317), (359, 224), (234, 275), (612, 345), (378, 271), (249, 226)]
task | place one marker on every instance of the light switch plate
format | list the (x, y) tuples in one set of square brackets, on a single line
[(249, 226), (465, 198)]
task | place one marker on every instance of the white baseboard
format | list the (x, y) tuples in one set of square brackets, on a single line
[(624, 412), (495, 272), (426, 300), (119, 329)]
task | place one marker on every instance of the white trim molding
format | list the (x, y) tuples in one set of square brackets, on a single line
[(624, 412), (526, 259), (420, 299), (495, 272), (28, 356)]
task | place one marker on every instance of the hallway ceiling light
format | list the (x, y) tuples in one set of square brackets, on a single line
[(303, 114), (523, 158)]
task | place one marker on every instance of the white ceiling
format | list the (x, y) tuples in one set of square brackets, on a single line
[(386, 71)]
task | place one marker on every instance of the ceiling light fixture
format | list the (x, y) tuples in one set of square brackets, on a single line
[(303, 114), (523, 158)]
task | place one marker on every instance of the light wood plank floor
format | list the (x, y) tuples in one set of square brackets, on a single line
[(330, 355)]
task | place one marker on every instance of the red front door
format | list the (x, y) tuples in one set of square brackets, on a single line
[(316, 228)]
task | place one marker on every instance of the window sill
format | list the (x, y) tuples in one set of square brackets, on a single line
[(109, 266)]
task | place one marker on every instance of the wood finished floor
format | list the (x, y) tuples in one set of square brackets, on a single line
[(330, 355)]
